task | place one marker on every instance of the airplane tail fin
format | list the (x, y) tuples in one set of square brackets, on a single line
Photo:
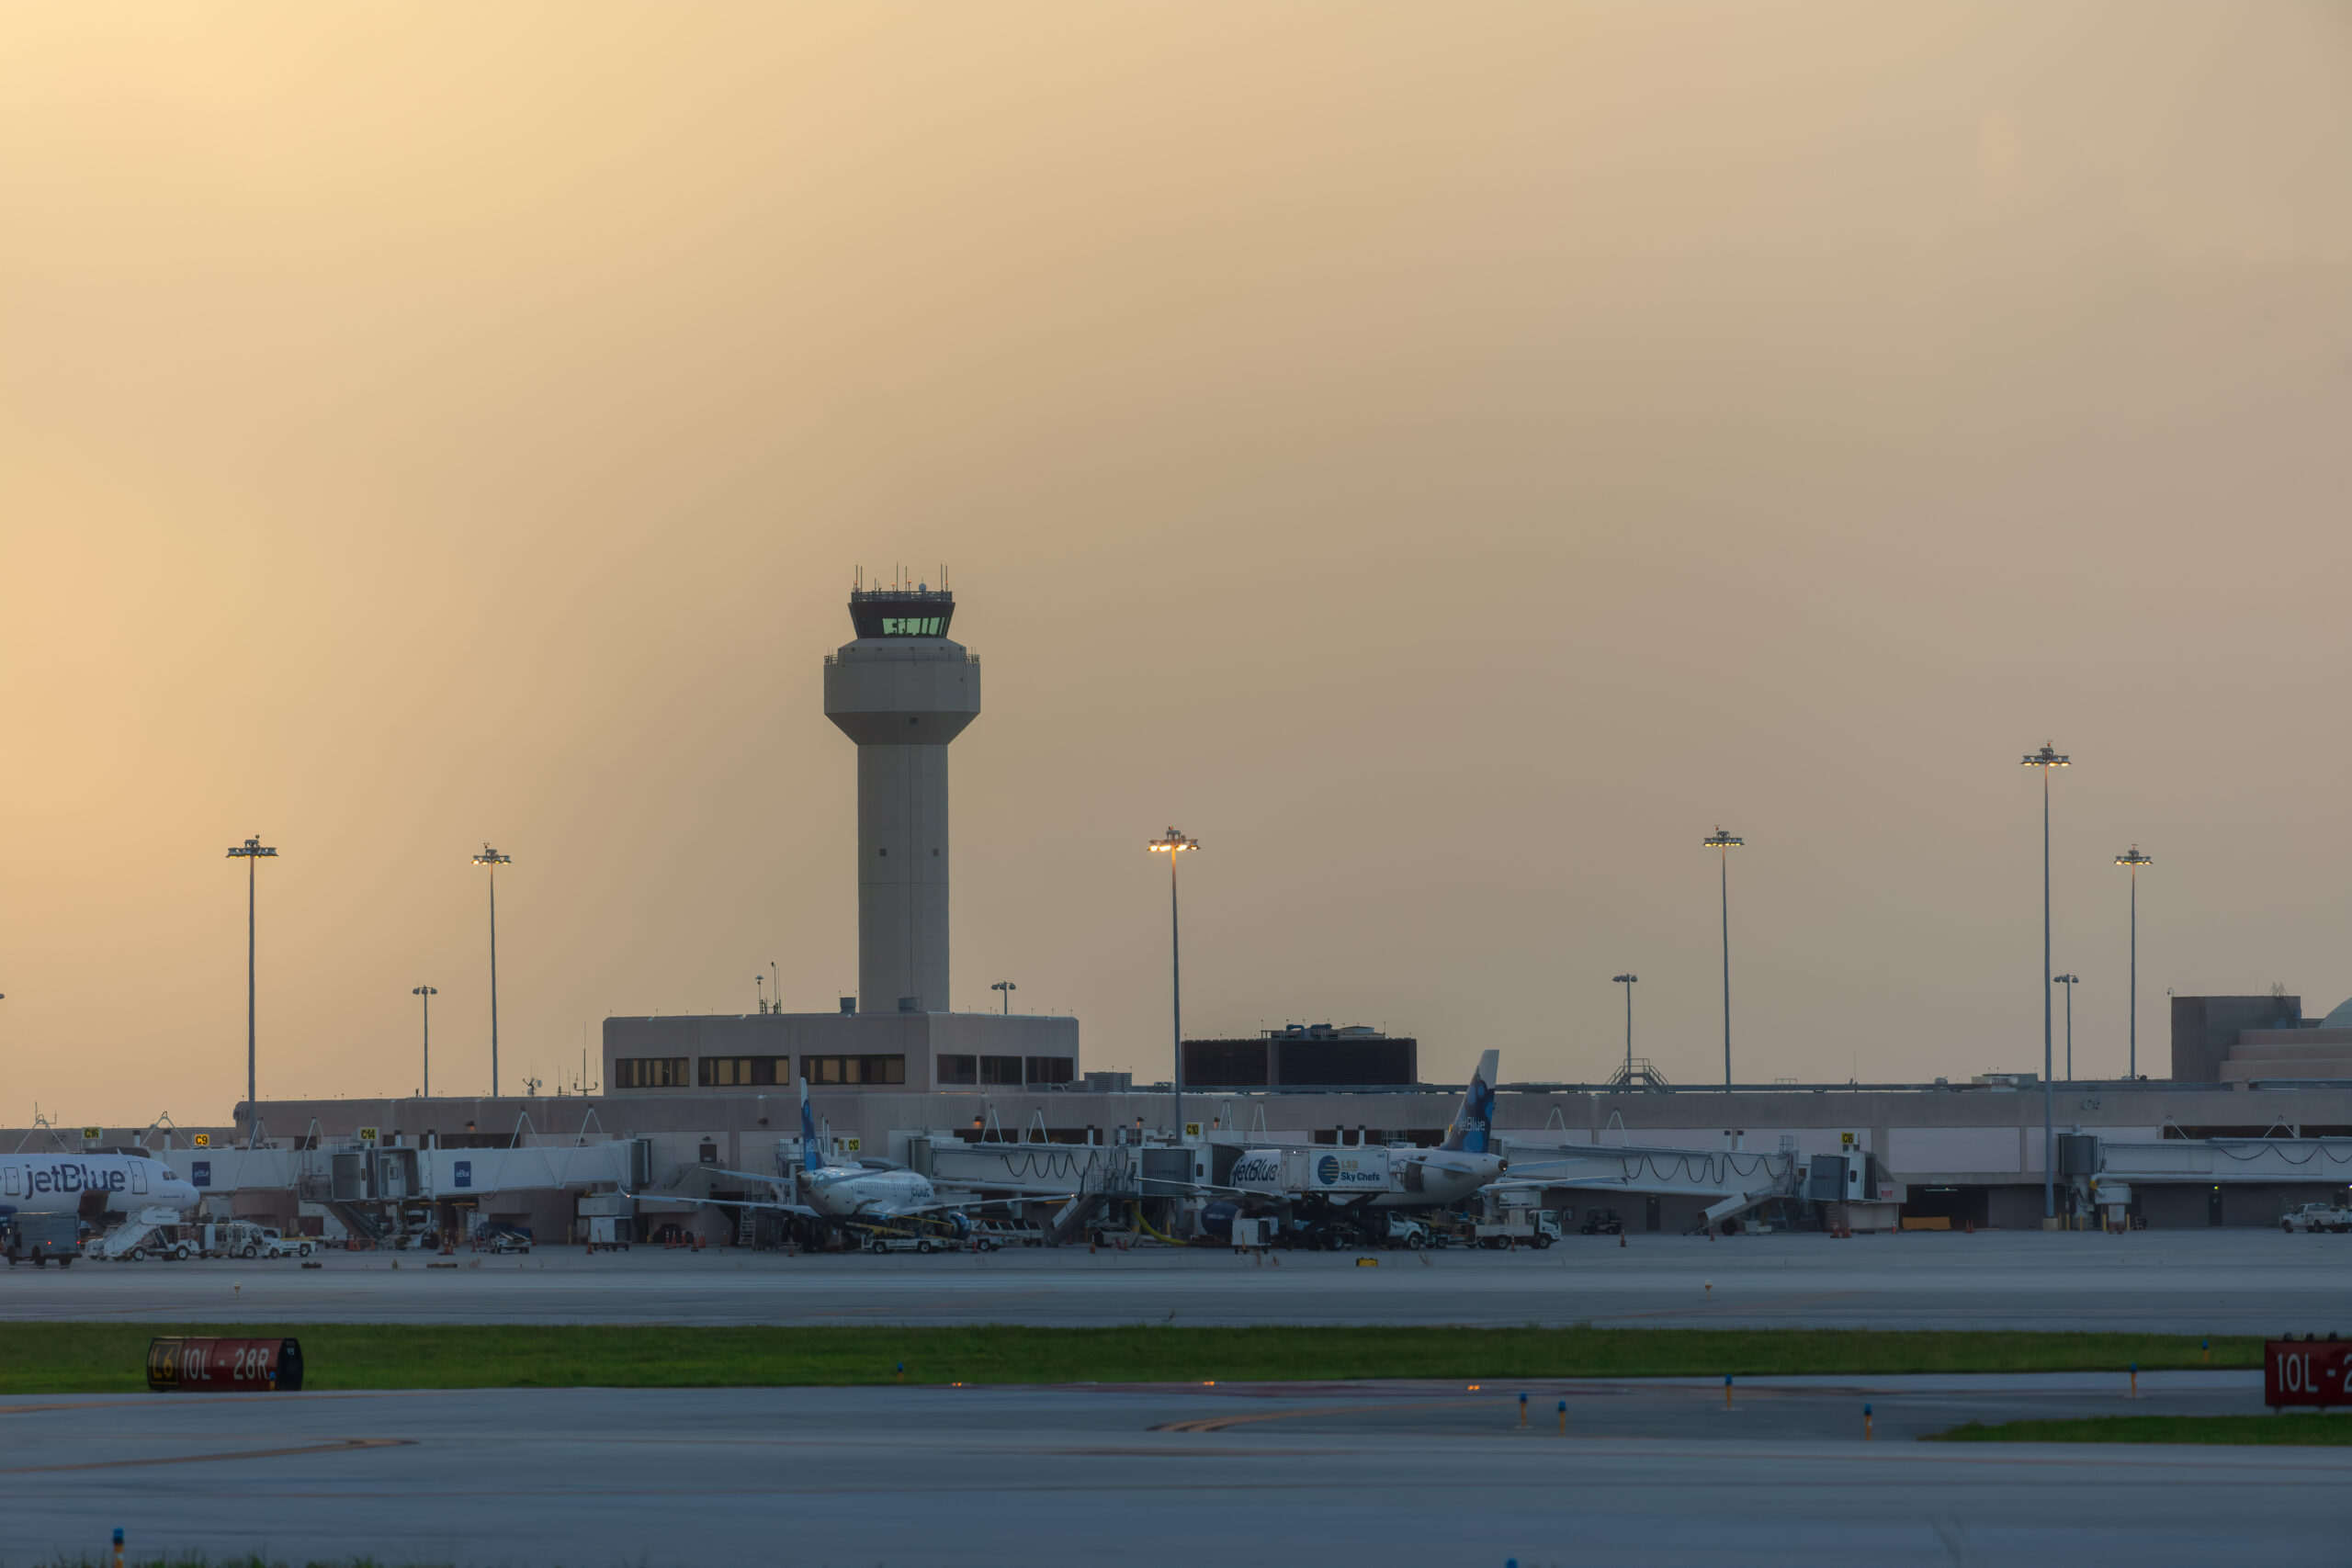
[(1472, 1126), (812, 1154)]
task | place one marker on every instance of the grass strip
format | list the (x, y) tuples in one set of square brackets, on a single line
[(105, 1358), (2295, 1429)]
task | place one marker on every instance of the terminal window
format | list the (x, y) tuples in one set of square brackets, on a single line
[(854, 1069), (959, 1070), (1052, 1069), (1001, 1071), (650, 1072), (737, 1072)]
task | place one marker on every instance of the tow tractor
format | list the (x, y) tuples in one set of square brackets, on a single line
[(881, 1239)]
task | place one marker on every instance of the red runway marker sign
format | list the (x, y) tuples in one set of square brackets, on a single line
[(2306, 1372), (225, 1366)]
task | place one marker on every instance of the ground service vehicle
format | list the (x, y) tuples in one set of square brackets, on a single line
[(269, 1244), (1602, 1222), (1407, 1232), (39, 1239), (2331, 1217), (1538, 1228), (503, 1238), (890, 1241)]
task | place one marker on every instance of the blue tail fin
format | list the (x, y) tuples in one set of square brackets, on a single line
[(1475, 1120), (812, 1155)]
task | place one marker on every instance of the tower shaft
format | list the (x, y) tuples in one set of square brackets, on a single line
[(903, 877)]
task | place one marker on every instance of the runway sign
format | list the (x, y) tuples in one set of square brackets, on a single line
[(2306, 1372)]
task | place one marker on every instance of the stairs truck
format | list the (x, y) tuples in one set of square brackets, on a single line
[(152, 1232)]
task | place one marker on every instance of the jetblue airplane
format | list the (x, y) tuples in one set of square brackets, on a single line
[(1418, 1178), (88, 1185), (865, 1192)]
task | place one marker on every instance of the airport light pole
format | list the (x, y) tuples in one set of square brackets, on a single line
[(249, 852), (1723, 843), (427, 993), (493, 860), (2070, 982), (2047, 759), (2135, 860), (1173, 844), (1627, 981), (1008, 988)]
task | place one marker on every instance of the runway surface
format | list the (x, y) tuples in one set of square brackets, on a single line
[(1372, 1474), (2218, 1282)]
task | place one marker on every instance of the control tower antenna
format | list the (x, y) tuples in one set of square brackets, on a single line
[(901, 690)]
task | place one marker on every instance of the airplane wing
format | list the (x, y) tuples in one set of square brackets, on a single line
[(1561, 1181), (746, 1176), (802, 1208), (977, 1203)]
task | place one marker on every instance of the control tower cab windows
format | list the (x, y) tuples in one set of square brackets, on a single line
[(913, 626)]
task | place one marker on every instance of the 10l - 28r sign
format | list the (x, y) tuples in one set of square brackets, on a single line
[(2306, 1372)]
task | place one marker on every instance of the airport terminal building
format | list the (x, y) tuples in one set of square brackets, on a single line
[(2256, 1117)]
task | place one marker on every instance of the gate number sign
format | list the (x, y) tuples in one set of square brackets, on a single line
[(2306, 1372)]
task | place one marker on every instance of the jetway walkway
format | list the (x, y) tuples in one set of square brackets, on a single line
[(356, 1172), (1737, 1180), (2226, 1161), (1089, 1178)]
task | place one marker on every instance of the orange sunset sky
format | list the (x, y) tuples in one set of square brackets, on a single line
[(1446, 458)]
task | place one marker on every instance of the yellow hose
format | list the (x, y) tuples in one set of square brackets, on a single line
[(1136, 1211)]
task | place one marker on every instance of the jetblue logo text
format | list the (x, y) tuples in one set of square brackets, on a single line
[(76, 1179)]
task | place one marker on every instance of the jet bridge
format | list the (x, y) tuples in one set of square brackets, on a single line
[(1087, 1178), (2211, 1161), (1735, 1179)]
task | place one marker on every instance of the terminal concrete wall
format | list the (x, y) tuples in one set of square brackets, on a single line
[(2205, 1028), (920, 1038)]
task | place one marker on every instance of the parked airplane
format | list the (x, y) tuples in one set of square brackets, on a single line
[(88, 1185), (865, 1191), (1324, 1177)]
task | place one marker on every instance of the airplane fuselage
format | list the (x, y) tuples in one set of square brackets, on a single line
[(64, 1184), (1398, 1179), (858, 1192)]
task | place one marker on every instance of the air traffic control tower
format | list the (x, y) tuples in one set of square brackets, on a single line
[(902, 689)]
